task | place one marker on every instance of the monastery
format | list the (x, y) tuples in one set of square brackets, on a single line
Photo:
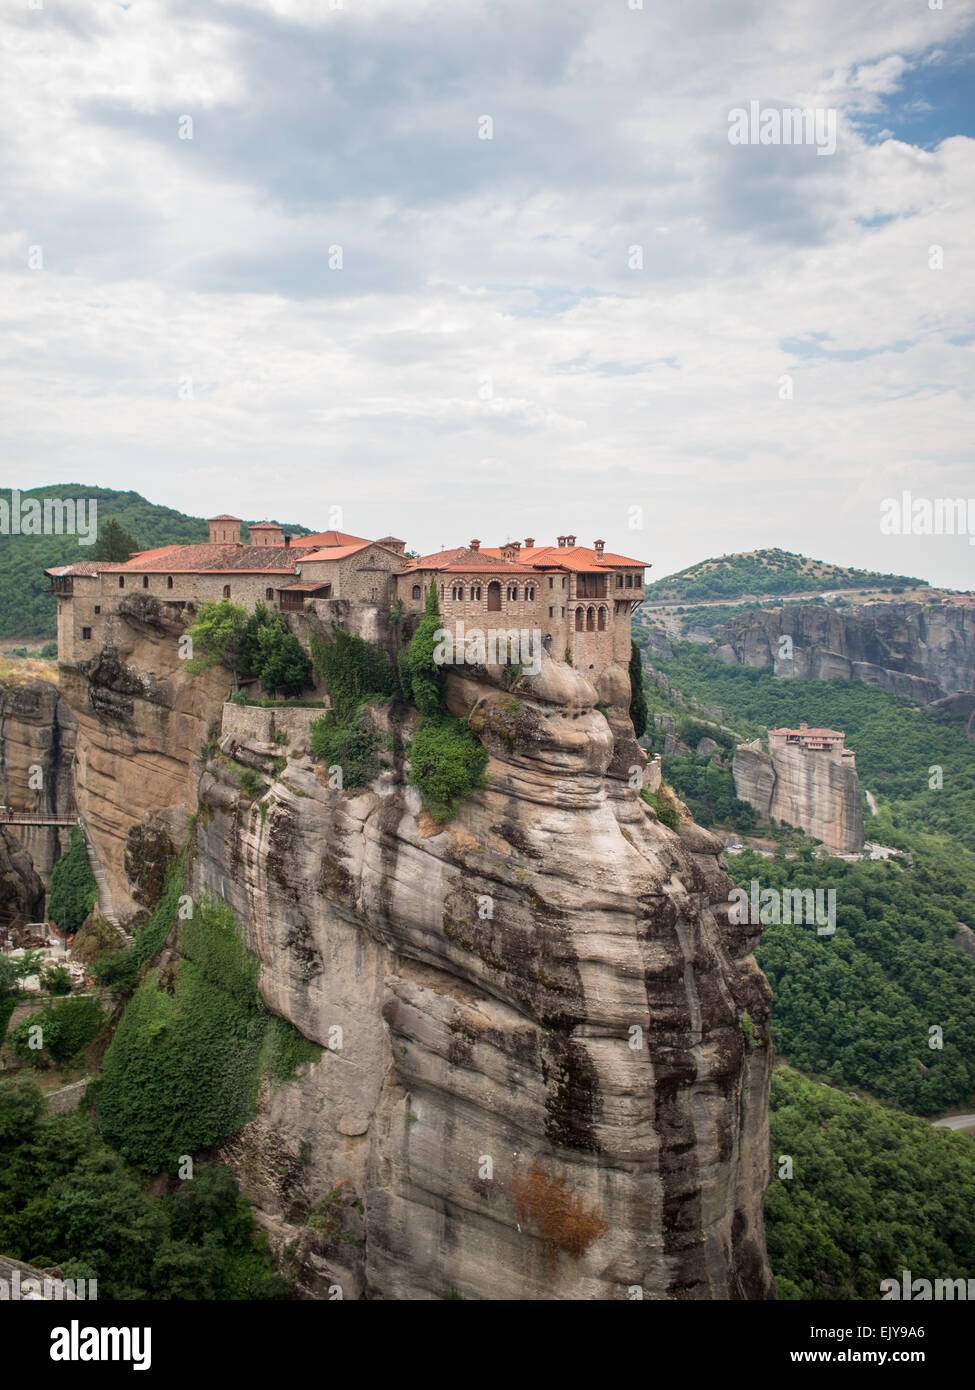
[(580, 598)]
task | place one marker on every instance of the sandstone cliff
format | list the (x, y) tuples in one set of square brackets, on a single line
[(805, 789), (547, 1058), (919, 650), (37, 743)]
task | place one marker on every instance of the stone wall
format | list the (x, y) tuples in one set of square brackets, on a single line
[(252, 722)]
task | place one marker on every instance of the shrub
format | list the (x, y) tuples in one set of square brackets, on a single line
[(557, 1212), (351, 670), (66, 1028), (665, 813), (638, 699), (447, 764), (182, 1071), (351, 744)]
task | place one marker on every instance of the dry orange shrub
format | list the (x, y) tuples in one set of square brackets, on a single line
[(558, 1213)]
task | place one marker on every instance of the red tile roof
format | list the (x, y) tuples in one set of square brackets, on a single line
[(324, 539), (578, 559)]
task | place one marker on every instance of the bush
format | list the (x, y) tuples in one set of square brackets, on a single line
[(665, 813), (182, 1072), (351, 670), (350, 744), (638, 699), (447, 764), (66, 1028), (73, 888)]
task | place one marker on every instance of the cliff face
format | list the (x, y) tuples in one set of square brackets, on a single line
[(21, 890), (37, 743), (544, 1088), (536, 1080), (921, 651), (141, 724), (805, 789)]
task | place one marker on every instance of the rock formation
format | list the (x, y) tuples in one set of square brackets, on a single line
[(37, 742), (802, 788), (923, 651), (546, 1051), (21, 890)]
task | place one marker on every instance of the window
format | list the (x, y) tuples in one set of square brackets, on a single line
[(512, 593), (580, 612), (619, 581), (169, 582), (563, 581), (226, 591), (121, 581), (476, 592), (98, 608), (494, 597), (551, 612), (457, 593), (563, 612), (416, 591), (86, 634), (530, 594), (629, 581), (590, 620), (601, 620), (269, 593), (551, 583), (145, 581)]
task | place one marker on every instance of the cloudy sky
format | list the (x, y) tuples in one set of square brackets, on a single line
[(260, 257)]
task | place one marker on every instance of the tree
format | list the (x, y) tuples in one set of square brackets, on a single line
[(73, 888), (281, 660), (218, 635), (638, 699), (424, 681), (114, 544)]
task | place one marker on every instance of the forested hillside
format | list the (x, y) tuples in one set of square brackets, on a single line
[(883, 1008), (761, 572), (27, 612)]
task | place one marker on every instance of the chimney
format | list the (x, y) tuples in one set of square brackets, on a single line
[(599, 547), (529, 542), (475, 545), (570, 541), (561, 540), (286, 538)]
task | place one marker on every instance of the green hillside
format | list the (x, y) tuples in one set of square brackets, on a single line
[(27, 612), (761, 572)]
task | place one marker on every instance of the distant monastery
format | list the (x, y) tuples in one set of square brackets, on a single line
[(580, 598)]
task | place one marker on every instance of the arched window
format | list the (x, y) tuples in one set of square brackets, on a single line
[(121, 581), (416, 591), (512, 593), (601, 620), (441, 591), (169, 581), (579, 619), (590, 620), (475, 593), (530, 593), (494, 597), (269, 593), (226, 591)]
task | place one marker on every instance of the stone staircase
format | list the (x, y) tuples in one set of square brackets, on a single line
[(105, 909)]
